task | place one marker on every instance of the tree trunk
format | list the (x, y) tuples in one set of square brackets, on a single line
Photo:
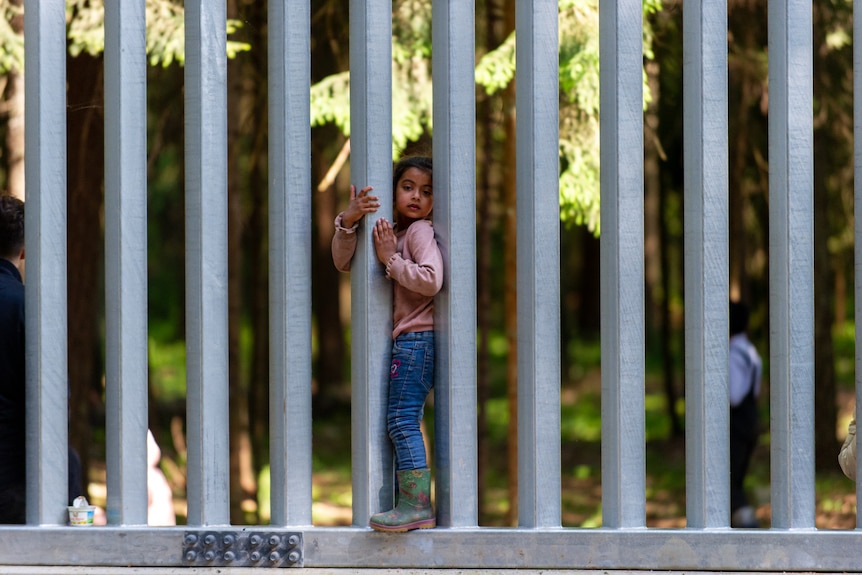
[(259, 301), (86, 162), (511, 273), (331, 359), (825, 408), (748, 182), (241, 106), (330, 308), (826, 164), (652, 214), (256, 247), (486, 187), (656, 268)]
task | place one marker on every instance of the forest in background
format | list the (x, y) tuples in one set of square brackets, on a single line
[(496, 211)]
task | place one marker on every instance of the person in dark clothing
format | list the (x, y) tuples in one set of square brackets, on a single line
[(12, 374), (746, 369)]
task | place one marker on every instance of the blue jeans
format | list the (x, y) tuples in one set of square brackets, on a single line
[(411, 377)]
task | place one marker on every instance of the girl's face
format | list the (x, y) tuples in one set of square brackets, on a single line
[(414, 196)]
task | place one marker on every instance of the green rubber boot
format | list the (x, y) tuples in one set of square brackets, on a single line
[(413, 510)]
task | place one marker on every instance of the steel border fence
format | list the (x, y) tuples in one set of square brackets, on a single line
[(624, 542)]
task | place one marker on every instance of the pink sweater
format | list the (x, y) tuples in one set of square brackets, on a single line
[(417, 268)]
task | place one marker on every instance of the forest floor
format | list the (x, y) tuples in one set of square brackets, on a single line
[(582, 492), (581, 488)]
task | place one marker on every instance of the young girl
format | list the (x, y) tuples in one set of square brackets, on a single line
[(414, 262)]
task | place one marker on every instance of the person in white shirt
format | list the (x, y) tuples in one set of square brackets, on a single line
[(847, 455), (160, 504), (746, 369)]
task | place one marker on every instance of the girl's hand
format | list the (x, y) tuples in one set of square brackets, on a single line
[(360, 204), (385, 243)]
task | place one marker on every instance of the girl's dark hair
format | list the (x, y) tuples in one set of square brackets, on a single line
[(11, 226), (420, 162)]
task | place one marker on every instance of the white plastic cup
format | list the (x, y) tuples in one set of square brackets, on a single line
[(81, 516)]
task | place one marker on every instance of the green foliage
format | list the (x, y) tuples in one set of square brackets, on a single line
[(582, 419), (579, 114), (838, 29), (411, 80), (86, 33), (165, 30), (330, 102), (579, 103), (411, 72), (579, 93), (167, 369), (497, 68), (411, 27), (844, 340), (11, 42)]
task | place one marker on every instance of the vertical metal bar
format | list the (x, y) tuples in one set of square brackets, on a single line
[(538, 229), (622, 267), (371, 293), (290, 261), (706, 264), (206, 262), (857, 201), (126, 261), (791, 263), (455, 225), (47, 333)]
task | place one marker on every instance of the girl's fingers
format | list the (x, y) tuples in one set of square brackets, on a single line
[(362, 193), (366, 203)]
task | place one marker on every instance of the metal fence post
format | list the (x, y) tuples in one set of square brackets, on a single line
[(47, 333), (290, 261), (706, 264), (538, 263), (206, 263), (622, 266), (455, 227), (791, 263), (126, 261), (371, 293)]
